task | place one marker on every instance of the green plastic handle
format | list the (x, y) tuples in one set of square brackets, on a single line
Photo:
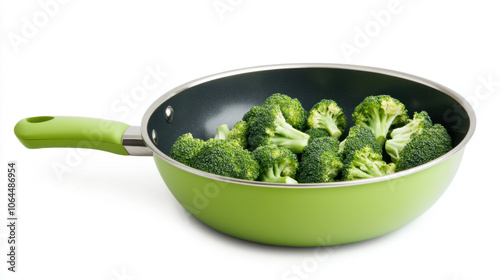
[(71, 132)]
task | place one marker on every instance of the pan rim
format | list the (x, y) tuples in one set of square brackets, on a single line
[(162, 99)]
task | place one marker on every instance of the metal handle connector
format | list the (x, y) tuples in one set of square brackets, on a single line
[(134, 144)]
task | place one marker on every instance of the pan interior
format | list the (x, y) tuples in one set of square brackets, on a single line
[(199, 109)]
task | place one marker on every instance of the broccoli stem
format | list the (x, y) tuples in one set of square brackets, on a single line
[(328, 122), (393, 147), (380, 124), (400, 137), (282, 180), (342, 146), (273, 175), (373, 170), (289, 137), (358, 174), (403, 132), (332, 173), (295, 145), (222, 132), (368, 167)]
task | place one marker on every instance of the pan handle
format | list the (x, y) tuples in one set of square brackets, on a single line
[(80, 132)]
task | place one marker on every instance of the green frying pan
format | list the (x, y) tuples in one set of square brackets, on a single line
[(279, 214)]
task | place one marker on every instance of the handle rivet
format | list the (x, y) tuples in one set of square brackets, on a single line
[(155, 137), (169, 113)]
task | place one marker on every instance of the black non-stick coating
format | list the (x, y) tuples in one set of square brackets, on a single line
[(201, 108)]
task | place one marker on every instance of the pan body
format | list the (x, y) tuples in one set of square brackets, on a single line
[(312, 214), (308, 216)]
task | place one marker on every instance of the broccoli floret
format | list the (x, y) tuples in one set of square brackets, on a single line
[(358, 138), (366, 163), (277, 164), (270, 127), (226, 158), (403, 135), (320, 162), (292, 110), (379, 114), (316, 133), (251, 115), (185, 148), (429, 145), (327, 115), (274, 132), (238, 133)]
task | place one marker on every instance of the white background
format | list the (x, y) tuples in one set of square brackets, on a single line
[(111, 217)]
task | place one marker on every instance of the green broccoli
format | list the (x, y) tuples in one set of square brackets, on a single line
[(270, 127), (320, 162), (251, 115), (269, 144), (357, 139), (380, 113), (226, 158), (327, 115), (292, 110), (238, 133), (403, 135), (277, 164), (185, 148), (366, 163), (316, 133), (222, 132), (424, 147)]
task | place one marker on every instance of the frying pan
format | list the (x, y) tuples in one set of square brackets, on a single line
[(290, 215)]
